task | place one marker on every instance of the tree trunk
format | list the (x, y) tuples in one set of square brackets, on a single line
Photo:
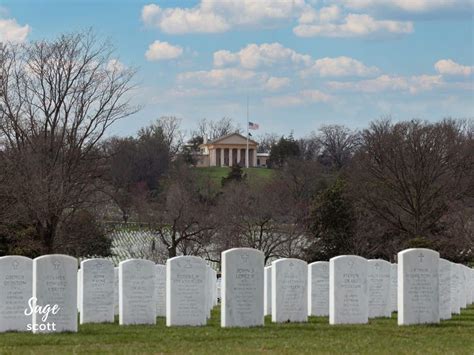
[(47, 237), (172, 251)]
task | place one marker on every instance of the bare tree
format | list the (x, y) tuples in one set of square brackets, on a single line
[(266, 142), (412, 175), (310, 146), (180, 215), (338, 145), (58, 99), (215, 129), (172, 133), (255, 216)]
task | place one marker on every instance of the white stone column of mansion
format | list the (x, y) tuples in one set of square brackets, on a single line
[(230, 157), (238, 155), (213, 157), (222, 157)]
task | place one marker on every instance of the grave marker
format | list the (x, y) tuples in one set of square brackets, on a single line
[(418, 286), (16, 289)]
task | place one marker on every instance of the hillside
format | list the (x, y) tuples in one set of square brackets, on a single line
[(217, 173)]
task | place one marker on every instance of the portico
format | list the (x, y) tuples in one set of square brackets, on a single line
[(230, 150)]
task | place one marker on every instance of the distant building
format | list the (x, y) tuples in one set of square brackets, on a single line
[(230, 150)]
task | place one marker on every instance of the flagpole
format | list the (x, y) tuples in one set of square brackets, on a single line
[(247, 150)]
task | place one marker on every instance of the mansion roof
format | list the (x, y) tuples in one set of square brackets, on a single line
[(232, 138)]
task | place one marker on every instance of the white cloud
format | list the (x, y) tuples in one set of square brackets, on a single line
[(340, 66), (162, 51), (450, 67), (177, 20), (251, 12), (232, 78), (11, 31), (223, 78), (412, 84), (416, 6), (276, 83), (304, 97), (266, 54), (224, 57), (216, 16), (116, 65), (354, 25), (323, 15), (213, 16)]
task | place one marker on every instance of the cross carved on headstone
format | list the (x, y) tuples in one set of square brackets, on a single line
[(15, 264), (56, 264), (421, 256), (244, 257)]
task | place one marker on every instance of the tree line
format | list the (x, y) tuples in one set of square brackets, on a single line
[(370, 192)]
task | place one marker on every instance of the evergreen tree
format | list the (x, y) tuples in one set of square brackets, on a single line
[(285, 149), (235, 174), (332, 223)]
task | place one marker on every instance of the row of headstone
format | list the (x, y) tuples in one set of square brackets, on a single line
[(351, 289), (45, 294)]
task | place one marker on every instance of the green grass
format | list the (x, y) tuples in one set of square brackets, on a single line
[(381, 336), (217, 173)]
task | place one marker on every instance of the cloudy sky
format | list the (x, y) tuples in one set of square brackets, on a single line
[(302, 63)]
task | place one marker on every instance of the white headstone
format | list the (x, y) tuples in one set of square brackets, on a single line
[(444, 272), (267, 290), (55, 284), (393, 287), (136, 292), (209, 291), (289, 290), (318, 289), (116, 291), (97, 291), (418, 286), (242, 288), (218, 288), (15, 291), (214, 287), (79, 303), (467, 278), (455, 289), (471, 271), (378, 288), (160, 290), (185, 291), (462, 277), (348, 295)]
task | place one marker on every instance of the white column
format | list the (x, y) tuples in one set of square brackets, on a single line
[(255, 157), (230, 157), (222, 157), (212, 156), (238, 156)]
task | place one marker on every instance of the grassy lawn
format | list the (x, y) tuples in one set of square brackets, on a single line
[(217, 173), (381, 336)]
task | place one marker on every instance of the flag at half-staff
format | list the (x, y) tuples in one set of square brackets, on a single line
[(253, 125)]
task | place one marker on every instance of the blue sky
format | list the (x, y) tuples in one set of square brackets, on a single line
[(302, 63)]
